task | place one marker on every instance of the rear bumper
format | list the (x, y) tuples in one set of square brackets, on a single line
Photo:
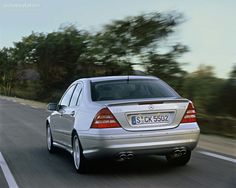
[(151, 142)]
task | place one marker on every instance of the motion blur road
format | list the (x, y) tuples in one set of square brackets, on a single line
[(26, 163)]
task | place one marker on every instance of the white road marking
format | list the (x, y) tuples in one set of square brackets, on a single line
[(7, 173), (218, 156)]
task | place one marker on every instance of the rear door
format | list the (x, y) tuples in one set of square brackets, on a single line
[(63, 118), (69, 114)]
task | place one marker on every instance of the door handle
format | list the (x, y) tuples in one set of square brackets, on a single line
[(72, 113)]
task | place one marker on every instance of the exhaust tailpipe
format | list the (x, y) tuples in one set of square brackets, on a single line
[(130, 156), (125, 156), (178, 152)]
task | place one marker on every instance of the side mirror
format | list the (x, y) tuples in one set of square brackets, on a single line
[(52, 107)]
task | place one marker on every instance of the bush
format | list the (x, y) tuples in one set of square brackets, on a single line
[(224, 126)]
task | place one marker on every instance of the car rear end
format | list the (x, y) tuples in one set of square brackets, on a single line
[(138, 115)]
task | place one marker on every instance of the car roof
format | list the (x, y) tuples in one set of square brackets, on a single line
[(107, 78)]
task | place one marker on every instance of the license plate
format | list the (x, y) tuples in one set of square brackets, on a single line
[(150, 119)]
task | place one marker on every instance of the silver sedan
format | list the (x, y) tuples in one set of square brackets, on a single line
[(122, 117)]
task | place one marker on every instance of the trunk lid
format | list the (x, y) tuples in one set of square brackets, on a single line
[(148, 114)]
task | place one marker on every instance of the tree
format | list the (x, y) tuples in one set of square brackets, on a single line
[(57, 56), (203, 88), (25, 51), (7, 71), (166, 67), (135, 40), (53, 56), (62, 56), (228, 93), (102, 57)]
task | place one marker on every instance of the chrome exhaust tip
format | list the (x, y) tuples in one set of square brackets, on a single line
[(178, 152), (130, 156), (125, 156)]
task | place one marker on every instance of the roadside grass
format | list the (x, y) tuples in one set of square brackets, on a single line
[(217, 125)]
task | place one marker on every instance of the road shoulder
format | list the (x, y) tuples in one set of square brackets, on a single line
[(217, 144), (34, 104)]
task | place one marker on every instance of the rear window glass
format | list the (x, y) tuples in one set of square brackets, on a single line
[(130, 89)]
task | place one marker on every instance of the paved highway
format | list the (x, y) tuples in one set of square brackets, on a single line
[(25, 162)]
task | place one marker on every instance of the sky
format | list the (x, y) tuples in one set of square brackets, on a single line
[(209, 29)]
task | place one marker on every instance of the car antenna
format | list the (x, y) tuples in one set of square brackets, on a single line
[(128, 79)]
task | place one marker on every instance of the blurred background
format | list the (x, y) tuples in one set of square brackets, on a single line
[(44, 46)]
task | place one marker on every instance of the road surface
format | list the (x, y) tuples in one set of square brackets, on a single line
[(26, 163)]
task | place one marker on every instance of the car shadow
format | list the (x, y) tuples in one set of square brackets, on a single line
[(139, 165), (144, 165)]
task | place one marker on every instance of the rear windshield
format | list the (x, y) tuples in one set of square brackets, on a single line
[(130, 89)]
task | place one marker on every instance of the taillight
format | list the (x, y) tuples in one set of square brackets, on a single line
[(190, 114), (105, 119)]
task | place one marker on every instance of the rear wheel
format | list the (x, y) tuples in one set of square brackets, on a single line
[(178, 160), (79, 160), (50, 145)]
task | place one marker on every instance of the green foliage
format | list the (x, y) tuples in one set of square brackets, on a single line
[(220, 125), (57, 55), (99, 60), (134, 35), (24, 52), (27, 89), (63, 56), (7, 71), (166, 67), (133, 40), (204, 89), (227, 95)]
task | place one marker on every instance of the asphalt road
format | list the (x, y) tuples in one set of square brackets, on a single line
[(23, 146)]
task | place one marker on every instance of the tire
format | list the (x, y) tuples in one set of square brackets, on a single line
[(50, 146), (179, 160), (80, 162)]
